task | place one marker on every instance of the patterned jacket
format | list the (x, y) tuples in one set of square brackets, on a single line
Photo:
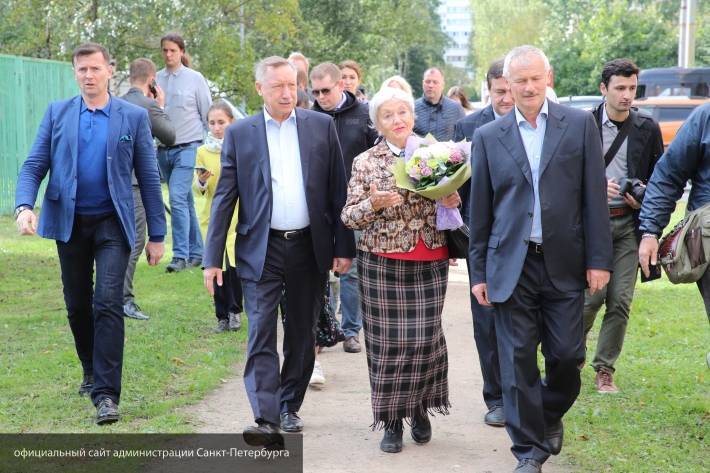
[(393, 229)]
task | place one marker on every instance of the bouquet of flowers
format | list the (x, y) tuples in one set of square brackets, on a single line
[(434, 170)]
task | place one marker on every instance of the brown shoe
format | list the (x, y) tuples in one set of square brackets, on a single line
[(605, 382), (352, 345)]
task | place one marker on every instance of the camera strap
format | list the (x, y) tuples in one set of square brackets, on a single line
[(618, 141)]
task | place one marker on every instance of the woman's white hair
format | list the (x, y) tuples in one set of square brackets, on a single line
[(386, 94), (520, 53), (401, 81)]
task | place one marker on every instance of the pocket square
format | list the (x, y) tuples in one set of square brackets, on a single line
[(125, 138)]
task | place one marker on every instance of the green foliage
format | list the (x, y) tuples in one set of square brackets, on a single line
[(500, 26), (580, 35), (225, 38)]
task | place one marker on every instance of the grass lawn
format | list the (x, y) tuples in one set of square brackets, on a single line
[(658, 423), (170, 361), (659, 420)]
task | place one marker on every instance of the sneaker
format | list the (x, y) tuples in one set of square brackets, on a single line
[(132, 311), (222, 326), (605, 382), (352, 345), (235, 321), (195, 262), (318, 376), (176, 265)]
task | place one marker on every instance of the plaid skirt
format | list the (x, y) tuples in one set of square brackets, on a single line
[(407, 359)]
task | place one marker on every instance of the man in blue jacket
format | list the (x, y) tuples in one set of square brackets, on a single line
[(90, 145), (687, 158)]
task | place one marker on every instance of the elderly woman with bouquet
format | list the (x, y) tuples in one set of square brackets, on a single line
[(403, 266)]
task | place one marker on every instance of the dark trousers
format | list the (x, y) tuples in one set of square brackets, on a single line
[(538, 313), (95, 311), (290, 264), (228, 296), (138, 247), (484, 334)]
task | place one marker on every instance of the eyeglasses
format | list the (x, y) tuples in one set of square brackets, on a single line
[(319, 92)]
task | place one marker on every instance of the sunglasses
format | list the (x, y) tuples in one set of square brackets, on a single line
[(319, 92)]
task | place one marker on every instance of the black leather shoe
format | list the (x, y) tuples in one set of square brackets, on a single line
[(392, 441), (176, 265), (528, 465), (131, 310), (495, 417), (87, 384), (106, 411), (421, 428), (554, 435), (290, 422), (194, 262), (265, 434)]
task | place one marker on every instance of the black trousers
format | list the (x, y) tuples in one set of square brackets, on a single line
[(537, 313), (290, 264), (484, 333), (228, 296), (95, 311)]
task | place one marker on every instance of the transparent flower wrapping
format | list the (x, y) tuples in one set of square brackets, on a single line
[(429, 154)]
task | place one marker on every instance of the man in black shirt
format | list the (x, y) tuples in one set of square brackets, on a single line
[(356, 134)]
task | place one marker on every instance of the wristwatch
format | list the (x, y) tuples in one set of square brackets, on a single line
[(20, 209), (649, 235)]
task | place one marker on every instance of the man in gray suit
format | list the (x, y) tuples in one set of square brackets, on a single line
[(148, 95), (539, 234), (285, 167), (484, 327)]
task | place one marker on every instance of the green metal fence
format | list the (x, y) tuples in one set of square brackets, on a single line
[(27, 86)]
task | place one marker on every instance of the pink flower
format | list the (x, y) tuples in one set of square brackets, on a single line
[(425, 170), (456, 156)]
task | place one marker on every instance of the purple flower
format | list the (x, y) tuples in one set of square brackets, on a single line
[(425, 170)]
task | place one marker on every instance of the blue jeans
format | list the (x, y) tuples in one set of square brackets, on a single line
[(350, 299), (95, 311), (350, 302), (177, 165)]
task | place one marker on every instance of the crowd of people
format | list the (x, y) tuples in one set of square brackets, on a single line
[(304, 188)]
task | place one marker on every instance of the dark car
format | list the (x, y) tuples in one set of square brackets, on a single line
[(674, 81)]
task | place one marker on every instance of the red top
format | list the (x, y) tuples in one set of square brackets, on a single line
[(421, 252)]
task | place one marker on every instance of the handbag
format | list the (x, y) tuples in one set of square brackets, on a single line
[(685, 251), (328, 331), (457, 241)]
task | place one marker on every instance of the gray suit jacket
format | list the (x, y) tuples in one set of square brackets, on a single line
[(572, 185), (160, 124)]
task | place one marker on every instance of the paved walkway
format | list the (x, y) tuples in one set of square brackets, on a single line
[(336, 436)]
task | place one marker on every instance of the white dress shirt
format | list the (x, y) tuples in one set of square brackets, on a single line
[(533, 139), (290, 210)]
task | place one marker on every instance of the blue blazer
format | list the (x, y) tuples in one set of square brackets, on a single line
[(575, 217), (129, 147), (246, 177)]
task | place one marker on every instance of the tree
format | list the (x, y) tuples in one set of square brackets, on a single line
[(500, 26)]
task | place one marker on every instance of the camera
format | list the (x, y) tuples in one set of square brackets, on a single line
[(633, 186)]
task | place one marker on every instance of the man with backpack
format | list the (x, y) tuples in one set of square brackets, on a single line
[(632, 144)]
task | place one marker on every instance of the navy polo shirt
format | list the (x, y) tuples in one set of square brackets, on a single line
[(92, 193)]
